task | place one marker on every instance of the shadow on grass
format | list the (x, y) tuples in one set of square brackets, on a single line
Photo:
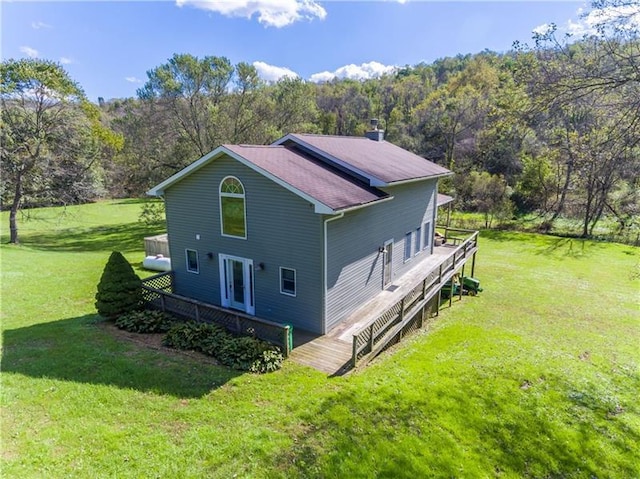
[(122, 237), (80, 350), (546, 245), (465, 431)]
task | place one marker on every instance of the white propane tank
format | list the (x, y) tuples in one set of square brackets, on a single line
[(157, 263)]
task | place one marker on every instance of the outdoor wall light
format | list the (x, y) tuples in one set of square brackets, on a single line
[(210, 255), (381, 249), (260, 266)]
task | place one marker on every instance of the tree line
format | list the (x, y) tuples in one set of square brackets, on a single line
[(552, 129)]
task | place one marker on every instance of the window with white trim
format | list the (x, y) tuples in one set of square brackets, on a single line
[(288, 281), (407, 246), (418, 238), (427, 235), (192, 261), (233, 208)]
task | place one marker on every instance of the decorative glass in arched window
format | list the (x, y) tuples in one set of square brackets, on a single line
[(232, 208)]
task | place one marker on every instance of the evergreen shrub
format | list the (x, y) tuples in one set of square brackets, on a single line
[(119, 289)]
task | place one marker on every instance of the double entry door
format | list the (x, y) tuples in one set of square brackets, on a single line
[(236, 283)]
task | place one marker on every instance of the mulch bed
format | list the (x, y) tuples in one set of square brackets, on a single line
[(152, 341)]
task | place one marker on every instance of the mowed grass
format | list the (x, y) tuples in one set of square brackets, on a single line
[(538, 376)]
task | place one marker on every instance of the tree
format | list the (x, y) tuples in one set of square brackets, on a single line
[(51, 136), (185, 94), (587, 103), (119, 289), (490, 195)]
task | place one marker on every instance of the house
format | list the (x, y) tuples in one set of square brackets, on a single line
[(302, 231)]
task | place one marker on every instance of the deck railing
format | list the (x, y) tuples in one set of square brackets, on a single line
[(157, 293), (410, 312)]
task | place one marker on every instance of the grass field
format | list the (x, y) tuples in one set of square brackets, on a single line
[(538, 376)]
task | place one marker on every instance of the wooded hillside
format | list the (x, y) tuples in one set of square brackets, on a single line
[(552, 129)]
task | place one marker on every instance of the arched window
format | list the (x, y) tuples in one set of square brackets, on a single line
[(232, 208)]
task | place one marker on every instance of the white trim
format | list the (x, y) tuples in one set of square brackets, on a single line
[(248, 280), (295, 282), (186, 258), (233, 195), (159, 189), (408, 240), (325, 271), (426, 235), (384, 262), (417, 241), (421, 178)]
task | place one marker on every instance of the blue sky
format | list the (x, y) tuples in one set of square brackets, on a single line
[(108, 46)]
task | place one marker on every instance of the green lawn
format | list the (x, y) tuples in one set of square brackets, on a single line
[(538, 376)]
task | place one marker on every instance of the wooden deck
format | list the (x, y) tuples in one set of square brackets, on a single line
[(324, 353), (332, 353)]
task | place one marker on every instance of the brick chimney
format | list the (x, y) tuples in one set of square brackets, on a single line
[(374, 133)]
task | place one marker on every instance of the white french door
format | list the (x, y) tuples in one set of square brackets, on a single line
[(236, 283)]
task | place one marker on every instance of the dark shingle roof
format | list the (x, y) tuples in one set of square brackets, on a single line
[(376, 160), (333, 173), (309, 175)]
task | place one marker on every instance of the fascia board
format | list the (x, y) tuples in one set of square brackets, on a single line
[(158, 190)]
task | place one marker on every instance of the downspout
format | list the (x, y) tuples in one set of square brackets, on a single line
[(325, 271)]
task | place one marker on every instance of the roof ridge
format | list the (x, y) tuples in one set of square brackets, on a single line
[(246, 145), (346, 137)]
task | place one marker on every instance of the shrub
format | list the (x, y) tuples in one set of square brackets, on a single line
[(244, 353), (192, 336), (271, 360), (240, 353), (146, 321), (119, 289)]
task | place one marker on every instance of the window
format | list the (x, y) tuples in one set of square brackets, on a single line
[(418, 238), (288, 281), (407, 246), (427, 236), (192, 261), (232, 208)]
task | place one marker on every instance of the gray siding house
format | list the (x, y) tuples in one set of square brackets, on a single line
[(302, 231)]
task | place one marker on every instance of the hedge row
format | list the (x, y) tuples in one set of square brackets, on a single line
[(243, 353)]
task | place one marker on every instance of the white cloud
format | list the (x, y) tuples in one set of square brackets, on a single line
[(38, 25), (543, 29), (133, 80), (65, 60), (355, 72), (273, 73), (30, 52), (271, 13), (627, 16)]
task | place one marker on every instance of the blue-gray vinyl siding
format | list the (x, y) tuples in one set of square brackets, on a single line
[(355, 264), (282, 231)]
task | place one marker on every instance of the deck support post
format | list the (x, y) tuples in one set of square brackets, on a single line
[(473, 265), (371, 338), (451, 291), (162, 305), (461, 282)]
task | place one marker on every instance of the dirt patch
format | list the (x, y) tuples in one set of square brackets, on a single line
[(152, 341)]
